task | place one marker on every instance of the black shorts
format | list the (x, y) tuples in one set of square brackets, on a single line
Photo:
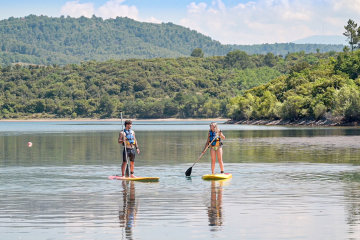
[(130, 154)]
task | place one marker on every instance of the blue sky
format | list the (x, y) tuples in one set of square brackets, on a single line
[(228, 21)]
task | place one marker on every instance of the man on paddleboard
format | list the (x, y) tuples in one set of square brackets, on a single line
[(127, 137)]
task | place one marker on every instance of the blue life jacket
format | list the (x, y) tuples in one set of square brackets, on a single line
[(212, 135), (130, 138)]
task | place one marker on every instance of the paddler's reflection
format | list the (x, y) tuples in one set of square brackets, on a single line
[(129, 209), (215, 208)]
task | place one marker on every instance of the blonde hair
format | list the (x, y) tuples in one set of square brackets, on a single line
[(215, 127)]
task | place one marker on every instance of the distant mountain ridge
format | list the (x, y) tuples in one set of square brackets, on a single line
[(322, 39), (47, 40)]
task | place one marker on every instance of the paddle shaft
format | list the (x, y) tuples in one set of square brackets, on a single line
[(203, 152)]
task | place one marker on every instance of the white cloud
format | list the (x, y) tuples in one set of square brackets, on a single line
[(347, 5), (194, 8), (247, 5), (152, 20), (110, 9), (249, 22), (76, 9), (116, 8), (270, 21)]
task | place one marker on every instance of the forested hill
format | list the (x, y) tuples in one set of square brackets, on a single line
[(190, 87), (46, 40), (328, 91)]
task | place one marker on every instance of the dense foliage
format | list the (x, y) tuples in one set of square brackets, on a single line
[(153, 88), (327, 90), (46, 40)]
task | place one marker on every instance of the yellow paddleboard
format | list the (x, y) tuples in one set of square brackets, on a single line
[(139, 179), (219, 176)]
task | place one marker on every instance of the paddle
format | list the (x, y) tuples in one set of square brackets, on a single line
[(188, 172), (126, 156)]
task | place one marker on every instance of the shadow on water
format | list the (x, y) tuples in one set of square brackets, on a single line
[(128, 212)]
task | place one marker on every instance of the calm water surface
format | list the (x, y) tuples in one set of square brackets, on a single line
[(288, 183)]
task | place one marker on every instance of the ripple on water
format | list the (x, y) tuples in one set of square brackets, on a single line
[(74, 201)]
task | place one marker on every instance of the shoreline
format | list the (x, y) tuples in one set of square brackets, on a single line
[(115, 120), (301, 122)]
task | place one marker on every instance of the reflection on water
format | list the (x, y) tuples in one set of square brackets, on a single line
[(167, 147), (215, 209), (127, 214), (288, 183), (352, 196)]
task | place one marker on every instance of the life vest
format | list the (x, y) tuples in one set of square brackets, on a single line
[(130, 137), (216, 142)]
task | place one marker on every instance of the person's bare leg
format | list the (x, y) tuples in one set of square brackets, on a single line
[(219, 156), (132, 169), (123, 167), (213, 159)]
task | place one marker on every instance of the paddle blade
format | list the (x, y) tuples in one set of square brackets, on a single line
[(188, 172)]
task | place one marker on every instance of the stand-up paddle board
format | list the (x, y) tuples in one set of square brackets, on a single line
[(139, 179), (219, 176)]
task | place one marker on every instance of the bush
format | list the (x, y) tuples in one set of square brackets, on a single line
[(294, 107), (319, 111), (347, 103)]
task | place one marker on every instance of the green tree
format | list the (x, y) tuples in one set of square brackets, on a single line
[(349, 64), (270, 60), (170, 108), (347, 103), (197, 52), (238, 59), (352, 33), (106, 106), (295, 107)]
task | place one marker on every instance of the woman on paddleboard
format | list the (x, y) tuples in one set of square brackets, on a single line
[(128, 138), (214, 137)]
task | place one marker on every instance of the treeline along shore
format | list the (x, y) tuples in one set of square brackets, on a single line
[(324, 93), (185, 87), (318, 87), (298, 122)]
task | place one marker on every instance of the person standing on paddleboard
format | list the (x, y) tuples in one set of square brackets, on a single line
[(215, 147), (127, 137)]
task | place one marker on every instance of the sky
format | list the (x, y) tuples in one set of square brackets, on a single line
[(227, 21)]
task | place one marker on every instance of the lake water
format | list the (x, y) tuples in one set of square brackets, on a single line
[(288, 183)]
